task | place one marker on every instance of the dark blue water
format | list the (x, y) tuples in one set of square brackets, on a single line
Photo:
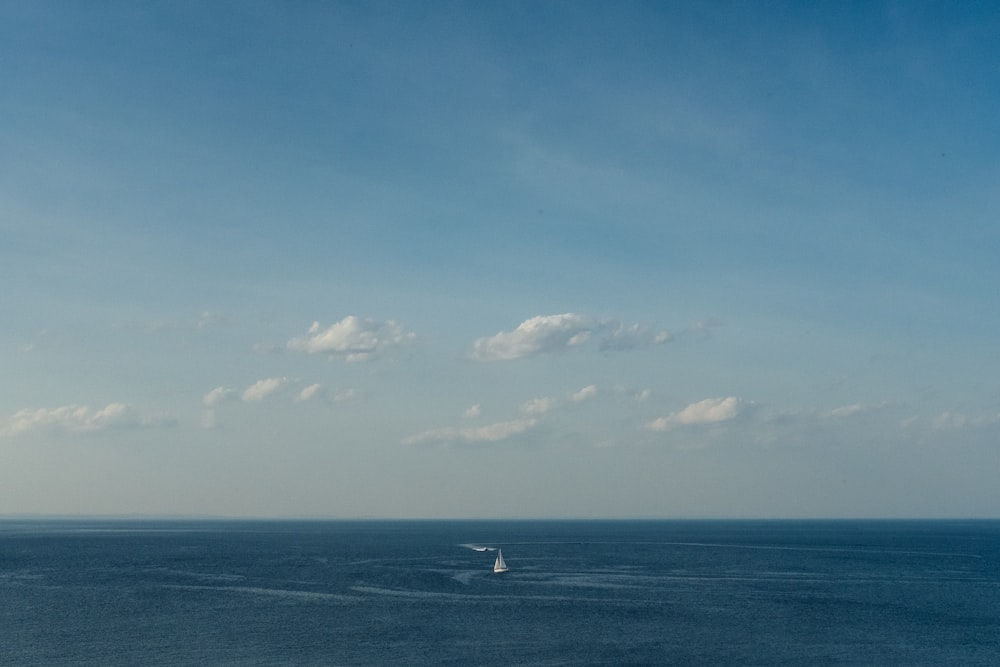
[(414, 593)]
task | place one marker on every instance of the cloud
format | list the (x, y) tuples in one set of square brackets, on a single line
[(846, 410), (488, 433), (208, 419), (498, 431), (308, 392), (352, 338), (344, 395), (708, 411), (629, 337), (629, 394), (261, 389), (533, 411), (543, 405), (855, 409), (949, 419), (957, 420), (217, 396), (81, 419), (538, 406), (545, 334), (702, 328)]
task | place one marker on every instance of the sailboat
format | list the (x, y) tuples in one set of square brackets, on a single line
[(499, 566)]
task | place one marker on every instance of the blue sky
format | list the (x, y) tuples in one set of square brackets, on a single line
[(526, 260)]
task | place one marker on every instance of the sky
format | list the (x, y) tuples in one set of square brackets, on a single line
[(520, 259)]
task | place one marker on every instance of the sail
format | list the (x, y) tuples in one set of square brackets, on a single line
[(500, 565)]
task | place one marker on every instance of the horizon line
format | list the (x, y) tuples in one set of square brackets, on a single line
[(52, 516)]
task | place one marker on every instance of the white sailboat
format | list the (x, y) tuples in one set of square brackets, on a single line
[(499, 566)]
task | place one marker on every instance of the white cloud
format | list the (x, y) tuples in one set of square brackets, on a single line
[(473, 411), (584, 394), (261, 389), (308, 392), (708, 411), (856, 409), (550, 333), (489, 433), (545, 333), (218, 395), (81, 419), (352, 338), (498, 431), (631, 336), (637, 395), (847, 410), (538, 406)]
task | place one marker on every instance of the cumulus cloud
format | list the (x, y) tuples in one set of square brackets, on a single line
[(584, 394), (81, 419), (708, 411), (261, 389), (473, 411), (488, 433), (352, 338), (537, 335), (549, 333)]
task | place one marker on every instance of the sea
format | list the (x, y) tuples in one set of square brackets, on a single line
[(109, 593)]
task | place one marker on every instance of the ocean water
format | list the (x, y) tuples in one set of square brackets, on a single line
[(109, 593)]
